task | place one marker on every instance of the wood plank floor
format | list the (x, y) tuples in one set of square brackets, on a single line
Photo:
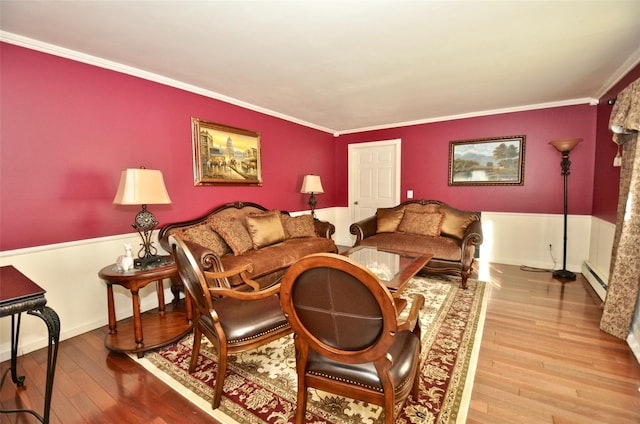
[(543, 359)]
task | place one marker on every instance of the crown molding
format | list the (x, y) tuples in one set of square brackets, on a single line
[(52, 49)]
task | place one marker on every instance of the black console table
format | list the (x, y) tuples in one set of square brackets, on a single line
[(19, 294)]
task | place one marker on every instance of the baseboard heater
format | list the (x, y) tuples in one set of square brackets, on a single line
[(597, 282)]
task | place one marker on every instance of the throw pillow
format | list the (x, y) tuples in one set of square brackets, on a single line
[(455, 224), (265, 229), (298, 226), (204, 235), (234, 232), (388, 220), (426, 224)]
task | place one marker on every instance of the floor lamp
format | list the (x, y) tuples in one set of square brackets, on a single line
[(564, 146)]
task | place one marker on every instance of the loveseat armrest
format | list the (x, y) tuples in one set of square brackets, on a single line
[(324, 228), (364, 228)]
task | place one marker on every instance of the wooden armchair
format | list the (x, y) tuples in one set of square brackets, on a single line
[(348, 339), (234, 321)]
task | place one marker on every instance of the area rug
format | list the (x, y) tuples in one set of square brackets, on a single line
[(260, 386)]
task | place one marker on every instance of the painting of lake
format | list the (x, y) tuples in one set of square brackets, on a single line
[(492, 161)]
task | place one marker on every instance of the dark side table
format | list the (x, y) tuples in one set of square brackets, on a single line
[(19, 294), (160, 328)]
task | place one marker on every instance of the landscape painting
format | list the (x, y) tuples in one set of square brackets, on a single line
[(487, 161)]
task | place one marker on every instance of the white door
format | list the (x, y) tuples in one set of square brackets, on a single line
[(374, 177)]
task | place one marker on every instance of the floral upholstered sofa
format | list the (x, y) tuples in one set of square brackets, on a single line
[(241, 233), (425, 226)]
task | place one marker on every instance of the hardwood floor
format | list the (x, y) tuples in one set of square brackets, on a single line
[(543, 359)]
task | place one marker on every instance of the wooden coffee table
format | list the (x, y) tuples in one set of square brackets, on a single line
[(393, 267)]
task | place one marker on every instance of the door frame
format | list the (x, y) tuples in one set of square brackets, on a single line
[(397, 144)]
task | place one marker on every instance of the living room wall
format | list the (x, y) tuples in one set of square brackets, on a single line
[(68, 128), (425, 156)]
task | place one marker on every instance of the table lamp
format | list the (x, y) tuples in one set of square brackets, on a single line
[(312, 185), (143, 187)]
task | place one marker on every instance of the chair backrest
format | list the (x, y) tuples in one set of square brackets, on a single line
[(191, 274), (339, 308)]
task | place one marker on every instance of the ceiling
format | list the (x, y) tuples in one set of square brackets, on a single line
[(345, 66)]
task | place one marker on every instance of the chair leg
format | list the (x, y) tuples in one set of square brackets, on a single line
[(389, 409), (302, 403), (195, 351), (222, 371)]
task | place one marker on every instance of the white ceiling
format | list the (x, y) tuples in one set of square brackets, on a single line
[(344, 66)]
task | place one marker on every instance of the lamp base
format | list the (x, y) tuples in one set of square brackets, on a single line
[(564, 274), (147, 261)]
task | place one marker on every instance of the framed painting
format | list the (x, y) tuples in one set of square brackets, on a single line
[(224, 155), (487, 161)]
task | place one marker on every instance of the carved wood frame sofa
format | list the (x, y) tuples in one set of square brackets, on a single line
[(425, 226), (244, 233)]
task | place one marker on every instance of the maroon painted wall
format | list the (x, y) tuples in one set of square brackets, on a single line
[(425, 155), (68, 129), (607, 177)]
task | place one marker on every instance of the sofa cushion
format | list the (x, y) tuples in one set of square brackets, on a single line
[(426, 224), (204, 235), (388, 219), (298, 226), (441, 247), (265, 229), (455, 224), (277, 256), (234, 231)]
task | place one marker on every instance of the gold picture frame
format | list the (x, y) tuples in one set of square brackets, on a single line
[(224, 155), (487, 161)]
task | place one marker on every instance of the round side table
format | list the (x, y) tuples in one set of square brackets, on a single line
[(161, 327)]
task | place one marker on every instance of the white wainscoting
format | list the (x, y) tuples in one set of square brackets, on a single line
[(69, 271), (69, 274)]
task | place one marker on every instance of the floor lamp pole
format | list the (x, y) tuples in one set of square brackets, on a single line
[(564, 148), (564, 273)]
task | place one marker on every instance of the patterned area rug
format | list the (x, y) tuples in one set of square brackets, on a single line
[(260, 386)]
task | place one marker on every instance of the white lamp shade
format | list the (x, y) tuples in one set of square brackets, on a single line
[(311, 184), (141, 187)]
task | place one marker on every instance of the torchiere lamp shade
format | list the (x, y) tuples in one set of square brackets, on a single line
[(566, 144)]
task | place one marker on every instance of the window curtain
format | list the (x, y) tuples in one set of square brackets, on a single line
[(624, 275)]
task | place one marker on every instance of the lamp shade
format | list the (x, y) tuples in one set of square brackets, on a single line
[(141, 187), (311, 184), (565, 144)]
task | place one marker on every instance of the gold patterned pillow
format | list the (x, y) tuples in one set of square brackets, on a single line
[(426, 224), (234, 232), (298, 226), (388, 220), (456, 223), (265, 229), (204, 235)]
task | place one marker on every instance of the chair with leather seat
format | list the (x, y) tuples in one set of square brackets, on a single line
[(234, 321), (348, 338)]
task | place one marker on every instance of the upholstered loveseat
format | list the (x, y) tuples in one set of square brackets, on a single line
[(425, 226), (240, 233)]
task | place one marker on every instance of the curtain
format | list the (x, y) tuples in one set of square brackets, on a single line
[(624, 275)]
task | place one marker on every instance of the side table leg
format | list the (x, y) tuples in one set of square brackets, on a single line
[(137, 319), (50, 317), (160, 289), (111, 310), (15, 335)]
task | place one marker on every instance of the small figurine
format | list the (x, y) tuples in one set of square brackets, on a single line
[(125, 262)]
